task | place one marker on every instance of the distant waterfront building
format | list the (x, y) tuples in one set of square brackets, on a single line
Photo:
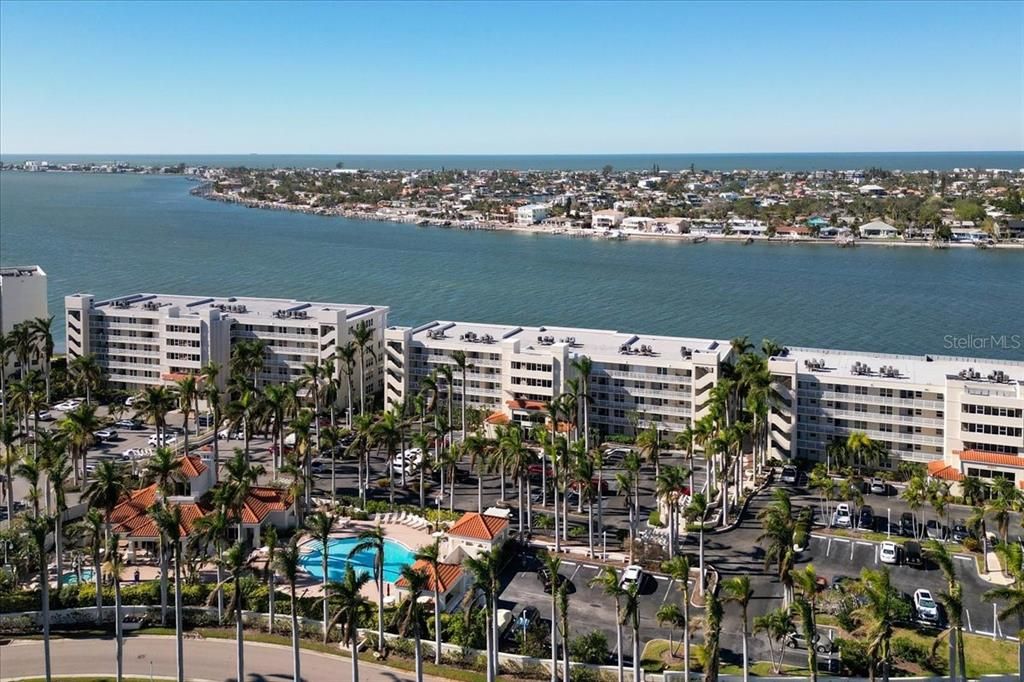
[(636, 380), (531, 214), (959, 415), (878, 229), (606, 219), (149, 339), (22, 298)]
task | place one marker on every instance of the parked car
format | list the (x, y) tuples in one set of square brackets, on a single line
[(796, 640), (789, 474), (131, 400), (961, 532), (231, 434), (68, 405), (632, 574), (841, 517), (866, 518), (912, 555), (129, 424), (925, 606), (104, 435), (544, 576), (907, 525), (318, 465), (44, 416), (879, 487), (166, 439), (889, 553), (935, 530)]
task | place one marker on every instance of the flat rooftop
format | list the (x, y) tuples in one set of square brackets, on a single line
[(594, 342), (20, 271), (913, 369), (235, 305)]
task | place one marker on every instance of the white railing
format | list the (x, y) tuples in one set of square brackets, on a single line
[(873, 399), (930, 422)]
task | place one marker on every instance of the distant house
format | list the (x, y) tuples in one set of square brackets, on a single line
[(817, 222), (970, 235), (475, 533), (793, 232), (872, 191), (831, 232), (452, 583), (1012, 229), (606, 219), (878, 229), (748, 228), (638, 224)]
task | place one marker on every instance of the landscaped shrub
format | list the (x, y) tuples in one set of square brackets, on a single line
[(19, 601), (854, 656), (913, 652), (589, 648)]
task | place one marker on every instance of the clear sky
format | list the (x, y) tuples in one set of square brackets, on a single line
[(395, 78)]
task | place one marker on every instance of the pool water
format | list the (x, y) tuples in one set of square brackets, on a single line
[(72, 579), (396, 556)]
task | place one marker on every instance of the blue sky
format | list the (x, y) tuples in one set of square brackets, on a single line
[(510, 78)]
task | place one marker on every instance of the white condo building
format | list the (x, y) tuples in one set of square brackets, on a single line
[(531, 214), (147, 339), (959, 416), (636, 380), (22, 298)]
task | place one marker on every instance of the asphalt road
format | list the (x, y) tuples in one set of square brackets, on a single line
[(209, 659)]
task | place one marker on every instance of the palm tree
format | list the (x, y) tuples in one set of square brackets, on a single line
[(485, 569), (362, 336), (697, 511), (631, 612), (553, 563), (516, 458), (352, 608), (1012, 596), (363, 440), (114, 566), (459, 358), (85, 373), (712, 635), (163, 469), (235, 559), (679, 570), (431, 554), (7, 435), (212, 529), (106, 489), (154, 403), (478, 448), (952, 601), (374, 540), (410, 614), (93, 528), (346, 355), (738, 589), (775, 625), (671, 615), (973, 490), (244, 413), (608, 580), (215, 405), (78, 427), (188, 393), (270, 541), (38, 527), (806, 583), (320, 526), (669, 488), (42, 329), (288, 566), (58, 472), (785, 532), (168, 522), (881, 609)]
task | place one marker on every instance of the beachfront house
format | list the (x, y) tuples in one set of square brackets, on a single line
[(793, 232), (970, 235), (878, 229), (531, 214), (452, 583), (1012, 229), (831, 232), (748, 228), (638, 224), (606, 219)]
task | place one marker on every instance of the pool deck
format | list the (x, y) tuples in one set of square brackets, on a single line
[(411, 538)]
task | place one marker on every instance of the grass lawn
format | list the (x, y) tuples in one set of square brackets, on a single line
[(985, 656), (762, 669)]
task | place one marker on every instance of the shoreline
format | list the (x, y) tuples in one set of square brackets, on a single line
[(204, 191)]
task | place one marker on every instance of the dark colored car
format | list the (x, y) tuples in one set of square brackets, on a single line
[(907, 525), (935, 530), (544, 576), (866, 519), (538, 469), (961, 532), (912, 555)]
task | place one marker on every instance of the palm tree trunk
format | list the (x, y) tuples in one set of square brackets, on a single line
[(118, 628), (239, 637), (325, 593), (220, 593), (952, 654), (554, 492), (163, 585), (97, 576), (700, 579), (380, 607), (270, 602), (44, 581), (355, 652), (686, 636), (479, 492), (590, 528), (618, 643), (296, 672), (178, 634), (554, 631), (519, 504), (419, 656), (487, 645), (58, 545), (636, 652), (437, 623)]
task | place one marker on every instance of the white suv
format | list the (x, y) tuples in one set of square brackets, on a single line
[(889, 553), (925, 606), (842, 517)]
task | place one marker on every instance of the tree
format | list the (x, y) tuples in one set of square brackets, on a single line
[(168, 522), (679, 570), (697, 511), (38, 527), (352, 608), (738, 590), (712, 635), (154, 403), (553, 564), (114, 567), (346, 354), (431, 555), (235, 559), (806, 582), (270, 542), (671, 615), (85, 373), (952, 601), (7, 436), (775, 625), (1011, 596), (362, 336), (882, 609), (608, 579), (288, 566), (485, 569), (374, 540), (78, 427), (42, 329), (784, 531), (188, 395), (631, 613), (669, 487), (410, 615), (320, 525)]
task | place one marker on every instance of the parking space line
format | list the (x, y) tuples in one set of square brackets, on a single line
[(829, 548), (853, 546), (967, 615), (573, 577), (671, 582)]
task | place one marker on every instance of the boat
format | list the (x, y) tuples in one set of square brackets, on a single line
[(615, 235), (844, 242), (748, 240), (422, 222), (700, 239)]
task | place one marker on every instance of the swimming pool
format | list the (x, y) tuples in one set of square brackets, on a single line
[(396, 556), (72, 579)]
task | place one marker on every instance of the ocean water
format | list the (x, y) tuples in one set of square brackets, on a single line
[(778, 161), (117, 234)]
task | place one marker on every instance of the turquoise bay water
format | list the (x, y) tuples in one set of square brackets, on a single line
[(396, 556), (117, 234)]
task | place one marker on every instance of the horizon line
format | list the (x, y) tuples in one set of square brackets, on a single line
[(521, 154)]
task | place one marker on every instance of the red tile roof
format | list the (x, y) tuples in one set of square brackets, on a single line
[(498, 418), (261, 501), (192, 466), (478, 526), (979, 457), (939, 469), (523, 404), (447, 573)]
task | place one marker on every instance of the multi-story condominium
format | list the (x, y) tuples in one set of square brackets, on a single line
[(22, 298), (636, 380), (147, 339), (960, 416)]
